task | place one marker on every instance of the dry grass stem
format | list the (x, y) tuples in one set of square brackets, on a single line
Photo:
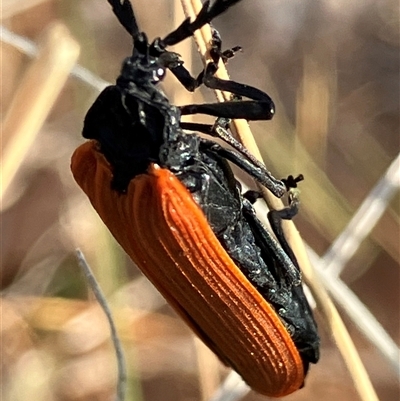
[(94, 285), (364, 220), (35, 97), (328, 310)]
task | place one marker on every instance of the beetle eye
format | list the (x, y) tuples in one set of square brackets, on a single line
[(158, 74)]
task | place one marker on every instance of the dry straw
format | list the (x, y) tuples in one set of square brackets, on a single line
[(35, 97)]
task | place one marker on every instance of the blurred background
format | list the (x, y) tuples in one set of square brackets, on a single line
[(332, 68)]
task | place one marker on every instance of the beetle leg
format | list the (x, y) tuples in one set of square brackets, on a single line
[(216, 52), (286, 260), (218, 130), (184, 76), (290, 182), (275, 218), (252, 196), (250, 165), (261, 107), (186, 79), (204, 128)]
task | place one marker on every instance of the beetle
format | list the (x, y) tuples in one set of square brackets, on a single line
[(172, 202)]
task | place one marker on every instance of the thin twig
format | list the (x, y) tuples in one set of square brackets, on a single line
[(29, 48), (94, 285), (364, 220), (359, 314), (325, 305)]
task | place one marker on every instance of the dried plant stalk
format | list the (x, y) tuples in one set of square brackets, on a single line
[(94, 285), (325, 305), (35, 97)]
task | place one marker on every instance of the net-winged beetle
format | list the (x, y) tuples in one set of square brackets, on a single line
[(172, 202)]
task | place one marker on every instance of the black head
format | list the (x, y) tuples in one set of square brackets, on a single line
[(146, 65), (154, 55)]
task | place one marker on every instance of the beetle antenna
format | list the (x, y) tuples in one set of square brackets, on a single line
[(124, 12), (206, 15)]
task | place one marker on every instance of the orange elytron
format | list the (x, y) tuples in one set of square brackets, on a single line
[(167, 235)]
